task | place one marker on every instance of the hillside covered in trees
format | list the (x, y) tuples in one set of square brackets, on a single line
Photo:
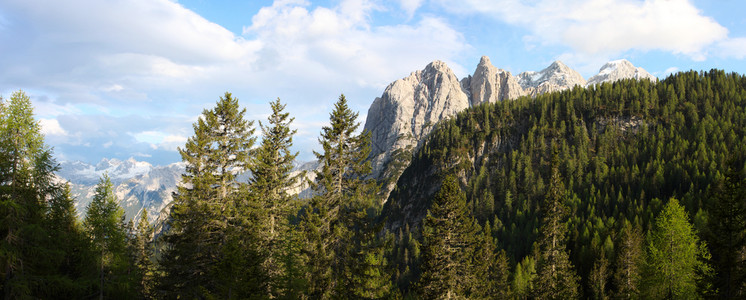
[(625, 190)]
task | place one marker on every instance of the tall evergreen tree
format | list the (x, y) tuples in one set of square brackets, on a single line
[(448, 243), (142, 250), (104, 224), (676, 259), (556, 278), (70, 260), (629, 262), (270, 169), (341, 193), (26, 181), (727, 232), (212, 213)]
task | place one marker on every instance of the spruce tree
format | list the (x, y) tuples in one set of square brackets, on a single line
[(727, 231), (271, 165), (448, 245), (676, 259), (211, 234), (341, 194), (556, 278), (104, 224)]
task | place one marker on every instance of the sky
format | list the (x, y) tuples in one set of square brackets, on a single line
[(127, 78)]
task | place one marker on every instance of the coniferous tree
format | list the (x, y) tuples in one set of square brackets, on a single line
[(104, 224), (341, 194), (448, 245), (26, 181), (212, 234), (629, 263), (70, 259), (142, 250), (676, 259), (727, 232), (556, 278), (270, 169), (491, 268)]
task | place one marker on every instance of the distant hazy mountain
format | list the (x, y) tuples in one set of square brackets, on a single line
[(137, 184)]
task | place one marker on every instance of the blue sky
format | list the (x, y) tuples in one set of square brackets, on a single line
[(127, 78)]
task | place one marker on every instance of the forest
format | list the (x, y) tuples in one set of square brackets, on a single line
[(624, 190)]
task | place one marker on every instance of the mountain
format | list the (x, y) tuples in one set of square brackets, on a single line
[(404, 115), (137, 184), (617, 70), (556, 77), (399, 122)]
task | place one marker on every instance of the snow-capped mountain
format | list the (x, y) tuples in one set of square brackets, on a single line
[(617, 70), (78, 172), (137, 184)]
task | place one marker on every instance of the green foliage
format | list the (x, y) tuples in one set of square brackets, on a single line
[(449, 239), (676, 260), (213, 223), (556, 278), (727, 231), (105, 227), (623, 148)]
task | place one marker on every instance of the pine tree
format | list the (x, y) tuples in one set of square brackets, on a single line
[(727, 232), (104, 224), (676, 259), (26, 181), (599, 276), (211, 223), (629, 263), (448, 245), (271, 165), (556, 278)]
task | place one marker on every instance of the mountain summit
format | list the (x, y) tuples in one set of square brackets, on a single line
[(400, 120)]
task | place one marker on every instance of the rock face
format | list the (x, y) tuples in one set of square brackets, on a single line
[(408, 109), (617, 70), (490, 84), (554, 78)]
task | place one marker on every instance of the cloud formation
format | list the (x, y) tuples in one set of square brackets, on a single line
[(133, 75), (606, 27)]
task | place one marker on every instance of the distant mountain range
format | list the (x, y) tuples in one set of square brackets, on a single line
[(399, 122)]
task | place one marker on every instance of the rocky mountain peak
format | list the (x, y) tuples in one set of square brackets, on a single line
[(490, 84), (555, 77), (617, 70)]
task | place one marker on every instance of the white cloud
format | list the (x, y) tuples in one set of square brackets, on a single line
[(51, 127), (733, 47), (410, 6), (599, 27), (98, 63), (670, 71)]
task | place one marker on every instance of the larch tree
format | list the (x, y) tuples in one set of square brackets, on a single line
[(676, 258), (26, 181)]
